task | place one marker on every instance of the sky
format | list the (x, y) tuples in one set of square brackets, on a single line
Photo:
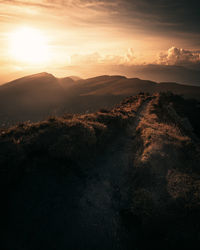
[(59, 36)]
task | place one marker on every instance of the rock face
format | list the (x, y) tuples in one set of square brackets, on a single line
[(126, 178)]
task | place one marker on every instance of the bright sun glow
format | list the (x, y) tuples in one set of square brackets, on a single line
[(29, 45)]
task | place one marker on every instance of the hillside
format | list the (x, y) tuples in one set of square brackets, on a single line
[(124, 178), (37, 96)]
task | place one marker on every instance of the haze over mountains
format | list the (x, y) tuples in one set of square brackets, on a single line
[(36, 96), (184, 74)]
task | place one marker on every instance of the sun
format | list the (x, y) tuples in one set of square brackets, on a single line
[(29, 45)]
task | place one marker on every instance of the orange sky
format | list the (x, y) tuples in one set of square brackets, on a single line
[(86, 32)]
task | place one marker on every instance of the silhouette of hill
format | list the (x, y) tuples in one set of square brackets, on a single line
[(32, 97), (36, 96), (124, 178)]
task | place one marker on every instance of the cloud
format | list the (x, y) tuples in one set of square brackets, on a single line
[(130, 57), (179, 15), (179, 56), (173, 56), (95, 58), (93, 4), (87, 59), (168, 16), (37, 3)]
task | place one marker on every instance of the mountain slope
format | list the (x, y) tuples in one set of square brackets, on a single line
[(120, 179), (117, 85), (37, 96), (31, 97)]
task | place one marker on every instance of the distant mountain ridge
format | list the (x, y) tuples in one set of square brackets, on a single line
[(36, 96)]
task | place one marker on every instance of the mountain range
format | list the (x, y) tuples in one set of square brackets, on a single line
[(40, 95)]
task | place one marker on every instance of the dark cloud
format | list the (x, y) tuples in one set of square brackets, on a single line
[(161, 15), (172, 15)]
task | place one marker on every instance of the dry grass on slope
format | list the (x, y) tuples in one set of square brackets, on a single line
[(158, 137), (63, 142), (166, 179)]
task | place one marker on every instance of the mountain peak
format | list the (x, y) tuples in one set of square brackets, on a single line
[(41, 75)]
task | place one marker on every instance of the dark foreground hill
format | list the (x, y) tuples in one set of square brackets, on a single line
[(37, 96), (127, 178)]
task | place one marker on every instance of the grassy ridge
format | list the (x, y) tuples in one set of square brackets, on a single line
[(166, 178), (64, 141), (157, 203)]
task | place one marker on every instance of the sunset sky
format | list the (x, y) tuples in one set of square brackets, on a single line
[(59, 35)]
